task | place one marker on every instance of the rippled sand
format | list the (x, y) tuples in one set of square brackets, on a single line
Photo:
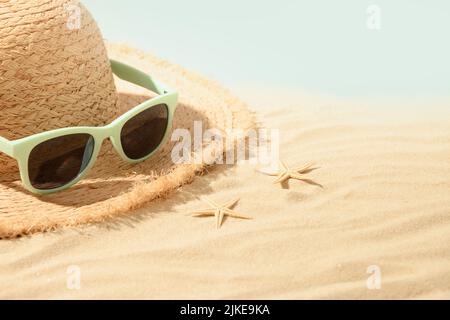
[(385, 203)]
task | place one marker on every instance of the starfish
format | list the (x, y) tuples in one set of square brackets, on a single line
[(287, 173), (219, 211)]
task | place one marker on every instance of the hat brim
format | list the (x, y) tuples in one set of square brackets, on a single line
[(115, 187)]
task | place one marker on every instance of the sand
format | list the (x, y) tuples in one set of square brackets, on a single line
[(385, 204)]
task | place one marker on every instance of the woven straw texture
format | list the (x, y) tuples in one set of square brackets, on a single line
[(50, 76), (53, 77)]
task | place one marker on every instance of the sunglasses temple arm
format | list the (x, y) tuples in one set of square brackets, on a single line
[(137, 77), (6, 146)]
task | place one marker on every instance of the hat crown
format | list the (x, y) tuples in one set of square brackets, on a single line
[(54, 69)]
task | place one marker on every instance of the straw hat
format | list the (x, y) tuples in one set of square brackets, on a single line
[(53, 75)]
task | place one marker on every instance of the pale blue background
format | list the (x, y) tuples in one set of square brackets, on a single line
[(320, 46)]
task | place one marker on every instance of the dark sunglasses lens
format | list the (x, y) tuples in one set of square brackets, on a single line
[(56, 162), (143, 133)]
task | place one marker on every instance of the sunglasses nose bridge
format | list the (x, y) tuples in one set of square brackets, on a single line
[(106, 132)]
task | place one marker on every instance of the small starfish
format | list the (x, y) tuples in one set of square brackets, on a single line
[(287, 173), (219, 211)]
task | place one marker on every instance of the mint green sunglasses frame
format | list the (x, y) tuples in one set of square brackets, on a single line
[(20, 149)]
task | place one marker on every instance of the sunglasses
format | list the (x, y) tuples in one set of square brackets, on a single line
[(56, 160)]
